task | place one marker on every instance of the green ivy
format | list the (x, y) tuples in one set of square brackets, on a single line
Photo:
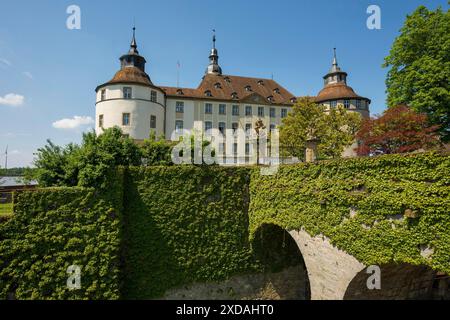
[(53, 229), (165, 227), (398, 204)]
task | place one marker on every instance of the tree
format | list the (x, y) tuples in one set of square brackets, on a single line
[(419, 63), (157, 151), (334, 129), (99, 154), (400, 129), (88, 164), (55, 165)]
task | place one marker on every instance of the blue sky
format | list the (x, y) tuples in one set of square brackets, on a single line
[(49, 73)]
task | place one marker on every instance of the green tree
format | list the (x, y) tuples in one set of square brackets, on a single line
[(157, 151), (99, 154), (335, 129), (88, 164), (419, 66), (55, 165)]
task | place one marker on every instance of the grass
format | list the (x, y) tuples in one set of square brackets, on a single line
[(6, 209)]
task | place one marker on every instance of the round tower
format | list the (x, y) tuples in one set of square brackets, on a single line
[(130, 100), (337, 92)]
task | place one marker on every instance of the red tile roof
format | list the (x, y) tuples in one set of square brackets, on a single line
[(236, 88)]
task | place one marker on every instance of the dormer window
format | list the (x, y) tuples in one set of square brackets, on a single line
[(270, 98), (227, 79), (234, 95), (276, 90), (260, 82), (208, 93), (180, 92), (293, 100), (248, 88), (217, 85)]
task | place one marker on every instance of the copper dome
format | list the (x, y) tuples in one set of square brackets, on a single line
[(337, 91)]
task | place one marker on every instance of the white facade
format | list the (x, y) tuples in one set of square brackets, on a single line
[(112, 110)]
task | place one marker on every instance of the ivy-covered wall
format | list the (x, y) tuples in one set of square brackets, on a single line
[(163, 227), (380, 210), (184, 224), (53, 229)]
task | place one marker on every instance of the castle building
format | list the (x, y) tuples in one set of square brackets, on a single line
[(132, 102)]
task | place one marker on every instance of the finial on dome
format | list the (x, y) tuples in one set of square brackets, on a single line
[(213, 67), (133, 45)]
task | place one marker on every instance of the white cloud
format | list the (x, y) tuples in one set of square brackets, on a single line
[(5, 62), (73, 123), (12, 99), (28, 75)]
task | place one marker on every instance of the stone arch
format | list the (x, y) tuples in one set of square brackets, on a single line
[(283, 263), (397, 282), (330, 269)]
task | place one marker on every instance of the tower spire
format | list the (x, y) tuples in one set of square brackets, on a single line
[(213, 67), (334, 57), (133, 45), (132, 57), (335, 75)]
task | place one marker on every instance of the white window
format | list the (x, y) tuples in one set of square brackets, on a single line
[(272, 126), (248, 126), (208, 125), (283, 113), (247, 148), (272, 112), (127, 92), (234, 126), (100, 121), (222, 108), (261, 111), (235, 110), (125, 119), (358, 104), (179, 107), (179, 126), (153, 96), (248, 110), (333, 104), (208, 108), (103, 95), (152, 122), (222, 127), (346, 104)]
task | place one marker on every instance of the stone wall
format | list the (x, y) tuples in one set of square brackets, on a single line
[(398, 282), (289, 284), (330, 270)]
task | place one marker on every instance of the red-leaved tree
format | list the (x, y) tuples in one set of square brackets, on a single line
[(399, 130)]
